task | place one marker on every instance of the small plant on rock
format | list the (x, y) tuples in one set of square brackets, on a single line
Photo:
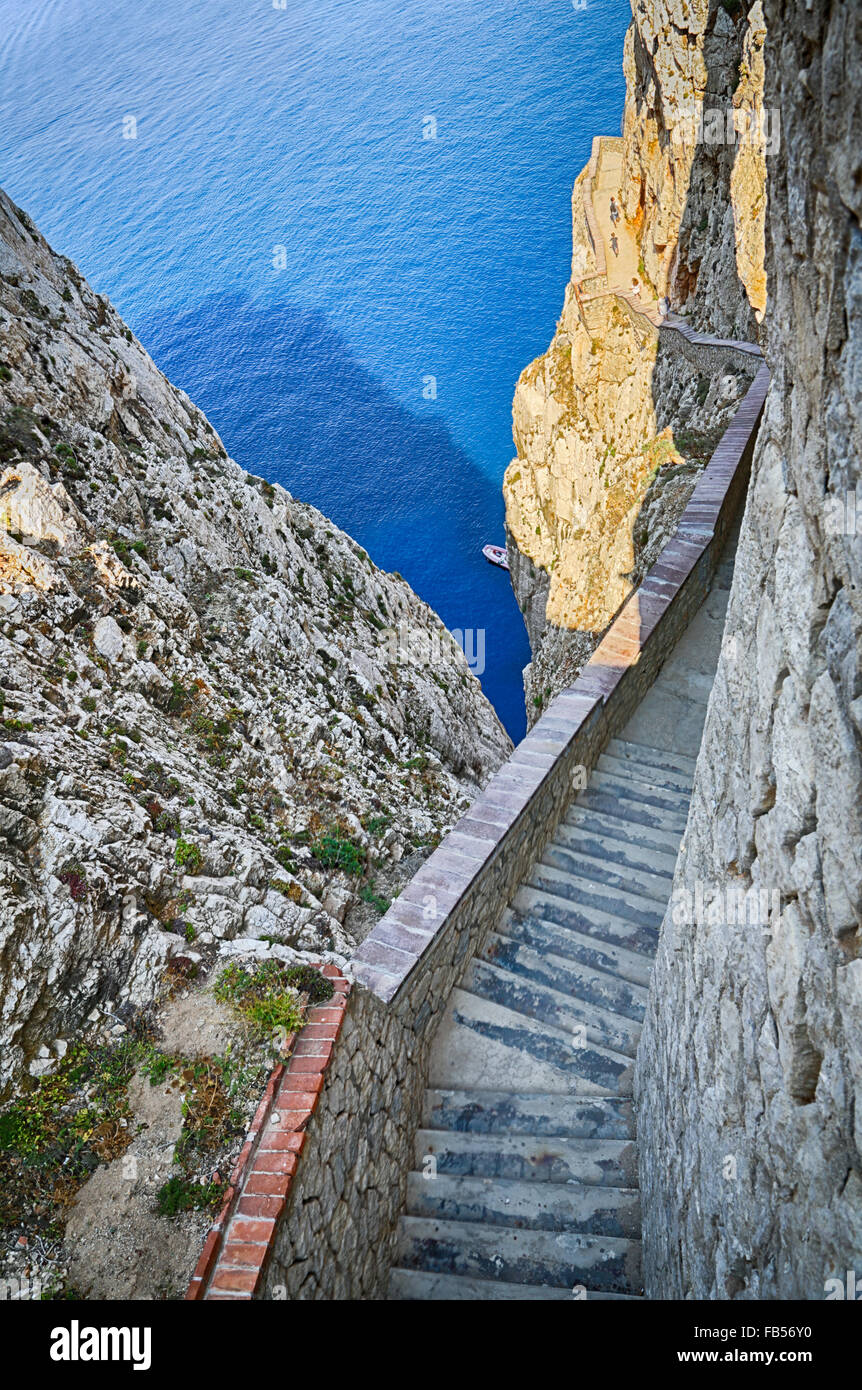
[(293, 891), (187, 856), (179, 698), (263, 996), (74, 876), (310, 982), (336, 850), (376, 901)]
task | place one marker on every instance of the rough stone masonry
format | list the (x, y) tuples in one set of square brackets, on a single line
[(750, 1064)]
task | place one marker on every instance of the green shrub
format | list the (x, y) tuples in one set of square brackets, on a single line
[(380, 903), (264, 995), (377, 824), (179, 698), (417, 764), (308, 980), (182, 1194), (54, 1136), (282, 854), (187, 856), (336, 850)]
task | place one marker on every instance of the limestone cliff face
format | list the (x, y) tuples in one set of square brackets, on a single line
[(614, 422), (750, 1064), (218, 719), (694, 169)]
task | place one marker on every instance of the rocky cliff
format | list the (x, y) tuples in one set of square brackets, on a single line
[(613, 424), (750, 1065), (218, 719)]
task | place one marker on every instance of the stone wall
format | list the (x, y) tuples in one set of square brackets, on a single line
[(749, 1088), (328, 1229)]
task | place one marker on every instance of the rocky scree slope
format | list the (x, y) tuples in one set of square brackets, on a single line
[(208, 729), (612, 425)]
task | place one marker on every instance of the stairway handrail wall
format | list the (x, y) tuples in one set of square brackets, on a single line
[(328, 1230)]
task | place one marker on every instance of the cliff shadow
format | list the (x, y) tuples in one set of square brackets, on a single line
[(692, 389), (691, 386)]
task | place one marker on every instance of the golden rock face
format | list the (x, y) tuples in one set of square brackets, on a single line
[(588, 414), (748, 178)]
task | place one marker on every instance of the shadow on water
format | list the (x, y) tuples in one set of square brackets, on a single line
[(293, 404)]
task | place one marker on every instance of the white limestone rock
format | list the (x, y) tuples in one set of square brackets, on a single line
[(196, 682)]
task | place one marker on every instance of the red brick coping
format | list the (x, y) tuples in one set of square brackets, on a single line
[(235, 1250)]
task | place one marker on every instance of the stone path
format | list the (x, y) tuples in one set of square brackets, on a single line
[(614, 273), (620, 269), (525, 1179)]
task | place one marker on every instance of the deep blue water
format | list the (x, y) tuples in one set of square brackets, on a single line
[(300, 259)]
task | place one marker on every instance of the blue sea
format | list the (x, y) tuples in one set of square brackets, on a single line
[(343, 226)]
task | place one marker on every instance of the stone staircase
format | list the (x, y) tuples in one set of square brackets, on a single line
[(525, 1183)]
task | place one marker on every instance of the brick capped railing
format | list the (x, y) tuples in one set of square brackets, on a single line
[(349, 1099), (237, 1246)]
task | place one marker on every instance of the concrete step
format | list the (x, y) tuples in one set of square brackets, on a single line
[(561, 1259), (578, 853), (641, 836), (587, 892), (417, 1285), (632, 808), (541, 935), (625, 749), (480, 1043), (534, 1206), (617, 842), (591, 921), (527, 1158), (669, 800), (549, 1116), (548, 1005), (644, 772), (595, 987)]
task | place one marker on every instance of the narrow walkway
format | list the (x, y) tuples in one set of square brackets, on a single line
[(614, 273), (525, 1181), (621, 268)]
